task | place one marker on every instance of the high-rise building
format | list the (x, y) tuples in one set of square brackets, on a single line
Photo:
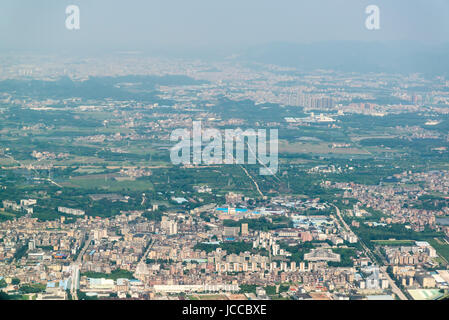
[(244, 230), (32, 245)]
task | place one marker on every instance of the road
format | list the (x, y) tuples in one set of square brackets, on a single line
[(77, 264), (370, 255), (148, 250), (252, 179), (83, 250), (249, 176), (394, 287), (42, 179)]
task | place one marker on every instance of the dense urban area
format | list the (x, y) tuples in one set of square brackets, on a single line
[(93, 208)]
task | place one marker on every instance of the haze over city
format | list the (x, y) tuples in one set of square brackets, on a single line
[(243, 151), (201, 24)]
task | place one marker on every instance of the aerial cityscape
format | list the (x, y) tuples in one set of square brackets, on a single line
[(349, 201)]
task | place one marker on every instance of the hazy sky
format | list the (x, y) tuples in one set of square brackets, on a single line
[(140, 24)]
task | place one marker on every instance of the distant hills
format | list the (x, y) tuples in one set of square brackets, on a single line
[(351, 56), (141, 87)]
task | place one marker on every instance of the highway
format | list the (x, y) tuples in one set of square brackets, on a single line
[(77, 264), (86, 245), (142, 259)]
